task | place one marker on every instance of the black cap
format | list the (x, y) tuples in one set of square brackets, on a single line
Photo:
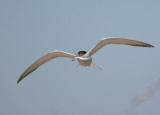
[(82, 52)]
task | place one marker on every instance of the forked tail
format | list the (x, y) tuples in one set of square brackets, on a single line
[(78, 65), (93, 65)]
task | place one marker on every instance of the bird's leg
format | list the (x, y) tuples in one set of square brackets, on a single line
[(74, 58)]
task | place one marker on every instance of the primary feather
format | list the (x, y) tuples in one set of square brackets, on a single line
[(107, 41), (44, 59)]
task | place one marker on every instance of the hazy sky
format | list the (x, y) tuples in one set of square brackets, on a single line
[(31, 28)]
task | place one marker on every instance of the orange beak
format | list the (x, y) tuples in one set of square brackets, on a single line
[(80, 55)]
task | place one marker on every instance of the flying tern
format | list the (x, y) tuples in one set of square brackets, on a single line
[(83, 57)]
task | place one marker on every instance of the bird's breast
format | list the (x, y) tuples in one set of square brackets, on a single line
[(84, 61)]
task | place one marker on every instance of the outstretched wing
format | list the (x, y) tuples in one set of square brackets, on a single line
[(107, 41), (44, 59)]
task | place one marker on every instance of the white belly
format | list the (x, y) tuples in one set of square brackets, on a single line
[(84, 61)]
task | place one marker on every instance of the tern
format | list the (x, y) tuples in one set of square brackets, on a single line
[(83, 57)]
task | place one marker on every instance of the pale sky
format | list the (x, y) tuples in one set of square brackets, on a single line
[(31, 28)]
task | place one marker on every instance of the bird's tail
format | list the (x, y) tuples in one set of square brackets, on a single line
[(93, 65), (78, 65)]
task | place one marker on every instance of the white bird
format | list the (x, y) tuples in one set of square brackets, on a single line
[(83, 57)]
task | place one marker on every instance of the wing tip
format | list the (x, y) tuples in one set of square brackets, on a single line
[(148, 45), (151, 46), (145, 45), (19, 80)]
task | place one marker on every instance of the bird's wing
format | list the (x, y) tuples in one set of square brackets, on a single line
[(44, 59), (107, 41)]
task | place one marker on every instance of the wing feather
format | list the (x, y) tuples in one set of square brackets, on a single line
[(44, 59), (107, 41)]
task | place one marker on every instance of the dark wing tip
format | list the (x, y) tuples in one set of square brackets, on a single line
[(25, 74), (21, 77), (144, 45), (18, 81), (149, 45)]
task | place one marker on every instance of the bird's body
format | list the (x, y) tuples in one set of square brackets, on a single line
[(84, 61), (83, 57)]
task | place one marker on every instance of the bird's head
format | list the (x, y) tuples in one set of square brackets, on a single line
[(81, 53)]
